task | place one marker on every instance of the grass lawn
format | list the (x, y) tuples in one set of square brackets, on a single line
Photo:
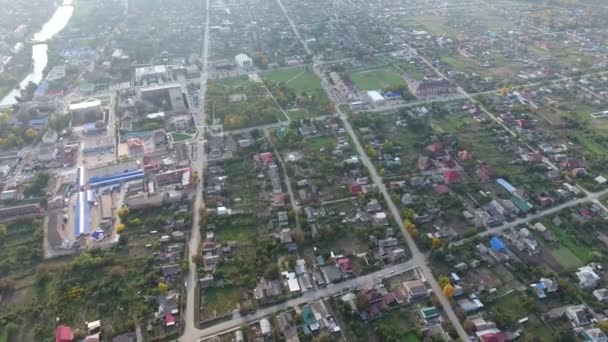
[(178, 137), (3, 335), (576, 247), (317, 143), (397, 321), (220, 300), (450, 123), (511, 306), (591, 145), (300, 80), (297, 114), (374, 79), (566, 258), (540, 333)]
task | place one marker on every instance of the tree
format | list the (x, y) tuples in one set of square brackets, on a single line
[(120, 228), (468, 326), (198, 260), (411, 228), (30, 134), (163, 287), (297, 235), (123, 212), (436, 243), (362, 301), (443, 281), (272, 272), (603, 324), (449, 291)]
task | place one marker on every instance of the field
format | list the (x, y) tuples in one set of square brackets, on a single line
[(375, 79), (300, 80), (179, 137), (299, 92), (220, 300), (566, 258), (240, 104), (576, 247)]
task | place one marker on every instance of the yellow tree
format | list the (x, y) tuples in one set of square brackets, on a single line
[(449, 291), (31, 134), (163, 287), (120, 228), (436, 243)]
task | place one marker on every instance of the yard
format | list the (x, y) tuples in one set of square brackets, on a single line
[(179, 137), (301, 80), (220, 300), (576, 247), (375, 79), (240, 104)]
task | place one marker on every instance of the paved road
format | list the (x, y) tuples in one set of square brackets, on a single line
[(190, 330), (293, 27), (308, 297), (590, 197), (418, 257)]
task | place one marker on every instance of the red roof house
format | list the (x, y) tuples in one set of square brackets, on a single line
[(436, 149), (452, 176), (169, 320), (266, 158), (464, 155), (135, 144), (494, 337), (356, 188), (345, 265), (64, 333)]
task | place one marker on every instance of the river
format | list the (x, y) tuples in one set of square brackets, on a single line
[(58, 22)]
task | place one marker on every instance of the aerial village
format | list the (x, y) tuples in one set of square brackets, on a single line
[(306, 171)]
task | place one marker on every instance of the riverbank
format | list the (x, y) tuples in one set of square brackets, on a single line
[(54, 25)]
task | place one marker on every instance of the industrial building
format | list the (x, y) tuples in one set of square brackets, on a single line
[(243, 61), (86, 111)]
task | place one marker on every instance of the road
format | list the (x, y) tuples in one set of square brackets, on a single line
[(190, 330), (308, 297), (589, 197), (418, 257)]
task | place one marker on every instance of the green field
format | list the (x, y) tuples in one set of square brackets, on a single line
[(300, 80), (576, 247), (566, 258), (220, 300), (374, 79), (178, 137)]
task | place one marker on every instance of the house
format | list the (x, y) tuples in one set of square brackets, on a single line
[(243, 61), (287, 327), (309, 320), (545, 286), (265, 327), (577, 315), (587, 278), (470, 304), (64, 333), (594, 335), (332, 273), (452, 177), (430, 314), (169, 320), (345, 265), (415, 289), (436, 149), (601, 295)]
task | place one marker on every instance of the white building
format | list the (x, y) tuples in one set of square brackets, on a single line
[(375, 97), (587, 278), (243, 61)]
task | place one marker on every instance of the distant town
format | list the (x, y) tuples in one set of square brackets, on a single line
[(280, 170)]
